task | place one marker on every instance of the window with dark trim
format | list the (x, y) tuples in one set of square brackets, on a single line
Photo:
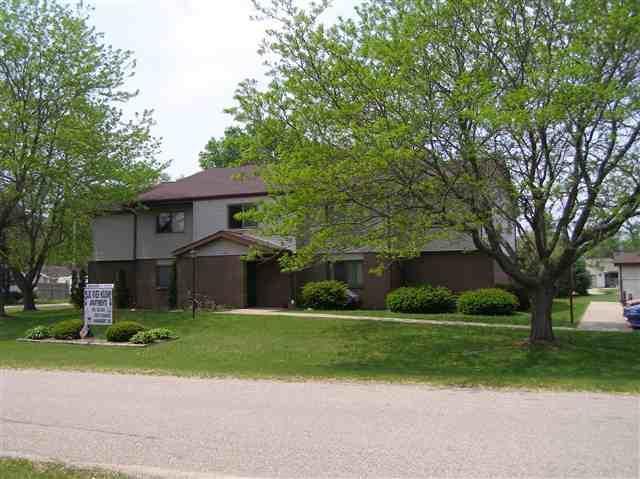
[(238, 223), (170, 222), (349, 272), (163, 276)]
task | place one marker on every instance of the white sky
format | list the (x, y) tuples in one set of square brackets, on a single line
[(191, 55)]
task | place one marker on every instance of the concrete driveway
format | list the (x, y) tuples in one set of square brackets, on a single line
[(604, 316), (170, 427)]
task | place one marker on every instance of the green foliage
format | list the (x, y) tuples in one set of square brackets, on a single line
[(520, 292), (160, 334), (173, 287), (68, 148), (121, 290), (328, 294), (414, 118), (69, 329), (78, 284), (424, 299), (123, 331), (225, 151), (14, 297), (487, 301), (581, 281), (215, 345), (38, 332), (142, 337)]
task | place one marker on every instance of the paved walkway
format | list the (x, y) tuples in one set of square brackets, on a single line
[(604, 316), (18, 307), (283, 312), (163, 426)]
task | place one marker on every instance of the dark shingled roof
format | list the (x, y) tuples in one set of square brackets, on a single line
[(212, 183), (626, 258)]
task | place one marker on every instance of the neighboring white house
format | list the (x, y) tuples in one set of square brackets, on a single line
[(603, 272), (629, 268)]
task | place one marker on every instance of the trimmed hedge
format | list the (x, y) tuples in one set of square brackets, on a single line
[(421, 299), (39, 332), (69, 329), (520, 292), (123, 331), (324, 295), (488, 301)]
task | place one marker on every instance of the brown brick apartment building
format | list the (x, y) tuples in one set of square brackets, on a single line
[(191, 222)]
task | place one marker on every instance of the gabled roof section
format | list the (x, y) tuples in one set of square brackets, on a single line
[(240, 237), (208, 184), (626, 258)]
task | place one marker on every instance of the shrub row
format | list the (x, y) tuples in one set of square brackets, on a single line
[(324, 295), (425, 299), (433, 300), (118, 333), (421, 299), (487, 301), (123, 331), (69, 329)]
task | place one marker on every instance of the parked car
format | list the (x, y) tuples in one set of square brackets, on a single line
[(632, 315)]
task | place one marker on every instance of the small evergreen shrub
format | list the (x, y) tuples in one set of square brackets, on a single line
[(421, 299), (39, 332), (324, 295), (78, 284), (160, 334), (581, 280), (520, 292), (488, 301), (142, 337), (123, 331), (69, 329)]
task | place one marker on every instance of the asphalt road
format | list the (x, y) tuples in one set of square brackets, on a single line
[(237, 428)]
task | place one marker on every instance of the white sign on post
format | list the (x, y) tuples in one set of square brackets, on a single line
[(98, 304)]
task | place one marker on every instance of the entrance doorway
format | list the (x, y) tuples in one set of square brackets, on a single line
[(252, 284)]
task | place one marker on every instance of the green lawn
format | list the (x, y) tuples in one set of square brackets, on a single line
[(561, 313), (23, 469), (285, 347)]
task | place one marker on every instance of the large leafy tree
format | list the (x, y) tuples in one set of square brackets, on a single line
[(508, 121), (65, 148), (224, 151)]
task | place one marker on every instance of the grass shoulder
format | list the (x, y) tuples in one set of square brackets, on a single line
[(218, 345), (24, 469)]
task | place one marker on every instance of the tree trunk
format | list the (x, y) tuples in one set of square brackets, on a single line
[(28, 297), (542, 301)]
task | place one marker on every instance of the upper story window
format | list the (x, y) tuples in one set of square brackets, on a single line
[(170, 222), (236, 223), (349, 272)]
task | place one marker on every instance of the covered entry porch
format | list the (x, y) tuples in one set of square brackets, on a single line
[(225, 273)]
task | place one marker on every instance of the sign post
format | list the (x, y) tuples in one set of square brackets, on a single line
[(98, 306)]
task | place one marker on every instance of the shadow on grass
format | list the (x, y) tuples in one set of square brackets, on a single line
[(490, 357)]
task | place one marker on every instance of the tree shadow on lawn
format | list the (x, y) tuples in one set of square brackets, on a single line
[(16, 324), (491, 357)]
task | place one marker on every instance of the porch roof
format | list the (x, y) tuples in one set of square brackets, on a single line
[(626, 258), (242, 237)]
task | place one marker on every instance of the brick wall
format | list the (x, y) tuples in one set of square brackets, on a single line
[(456, 270)]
